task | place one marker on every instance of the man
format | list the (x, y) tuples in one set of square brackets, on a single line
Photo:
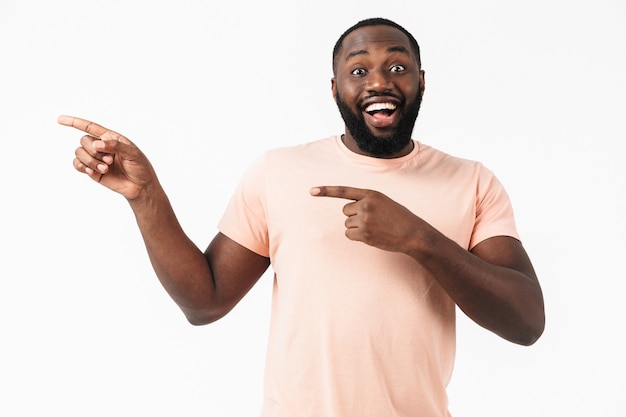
[(373, 238)]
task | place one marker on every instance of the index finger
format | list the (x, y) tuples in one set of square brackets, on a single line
[(339, 191), (91, 128)]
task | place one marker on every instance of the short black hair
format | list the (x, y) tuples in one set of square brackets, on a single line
[(374, 21)]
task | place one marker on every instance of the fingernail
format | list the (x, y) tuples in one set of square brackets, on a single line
[(102, 168), (315, 191)]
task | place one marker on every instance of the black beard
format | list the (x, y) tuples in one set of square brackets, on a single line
[(380, 146)]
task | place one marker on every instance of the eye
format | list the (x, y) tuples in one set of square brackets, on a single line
[(358, 71), (397, 68)]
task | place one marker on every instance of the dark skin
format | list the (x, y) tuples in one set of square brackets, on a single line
[(494, 283), (206, 285)]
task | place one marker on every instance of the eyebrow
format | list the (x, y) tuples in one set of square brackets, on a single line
[(401, 49)]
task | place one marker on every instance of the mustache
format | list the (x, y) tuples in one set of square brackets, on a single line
[(374, 94)]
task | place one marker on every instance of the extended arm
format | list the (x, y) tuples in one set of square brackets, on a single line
[(494, 284), (204, 285)]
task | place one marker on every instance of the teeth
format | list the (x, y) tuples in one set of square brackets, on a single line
[(380, 106)]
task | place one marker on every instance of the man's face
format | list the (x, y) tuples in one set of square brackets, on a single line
[(378, 88)]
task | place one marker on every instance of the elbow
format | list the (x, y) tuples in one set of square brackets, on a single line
[(528, 339), (532, 337), (199, 321), (531, 333), (203, 317), (532, 323), (206, 311)]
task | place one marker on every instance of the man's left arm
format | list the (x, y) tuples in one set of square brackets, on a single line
[(494, 284)]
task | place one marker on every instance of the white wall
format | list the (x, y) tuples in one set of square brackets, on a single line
[(534, 89)]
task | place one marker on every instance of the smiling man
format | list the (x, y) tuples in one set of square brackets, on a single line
[(384, 101), (374, 239)]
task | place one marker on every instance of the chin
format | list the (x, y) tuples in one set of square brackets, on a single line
[(380, 143)]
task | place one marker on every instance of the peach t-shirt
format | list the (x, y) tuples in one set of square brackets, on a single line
[(355, 330)]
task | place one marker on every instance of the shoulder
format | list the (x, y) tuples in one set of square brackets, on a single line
[(308, 152), (440, 161), (289, 158)]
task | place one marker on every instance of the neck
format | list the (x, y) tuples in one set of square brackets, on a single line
[(352, 145)]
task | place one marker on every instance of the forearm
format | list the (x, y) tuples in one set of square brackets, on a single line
[(495, 284), (504, 298), (205, 286), (181, 267)]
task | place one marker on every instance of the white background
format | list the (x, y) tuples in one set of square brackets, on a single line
[(533, 89)]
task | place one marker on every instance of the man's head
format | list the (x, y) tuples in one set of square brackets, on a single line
[(378, 85)]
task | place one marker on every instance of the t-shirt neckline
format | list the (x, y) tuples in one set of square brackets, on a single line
[(373, 161)]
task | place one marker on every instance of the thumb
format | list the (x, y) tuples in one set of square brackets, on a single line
[(112, 146)]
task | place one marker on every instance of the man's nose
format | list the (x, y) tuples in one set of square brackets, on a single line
[(378, 81)]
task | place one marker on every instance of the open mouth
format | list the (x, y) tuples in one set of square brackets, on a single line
[(381, 114)]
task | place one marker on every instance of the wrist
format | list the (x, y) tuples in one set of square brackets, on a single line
[(148, 196)]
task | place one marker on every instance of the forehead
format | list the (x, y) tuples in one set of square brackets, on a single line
[(369, 38)]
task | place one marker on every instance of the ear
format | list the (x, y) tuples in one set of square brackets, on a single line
[(422, 77), (333, 87)]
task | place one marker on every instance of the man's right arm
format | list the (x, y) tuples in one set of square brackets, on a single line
[(204, 285)]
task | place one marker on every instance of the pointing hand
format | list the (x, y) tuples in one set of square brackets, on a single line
[(110, 158), (374, 218)]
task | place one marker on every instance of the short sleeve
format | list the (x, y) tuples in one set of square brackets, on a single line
[(244, 219), (494, 212)]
